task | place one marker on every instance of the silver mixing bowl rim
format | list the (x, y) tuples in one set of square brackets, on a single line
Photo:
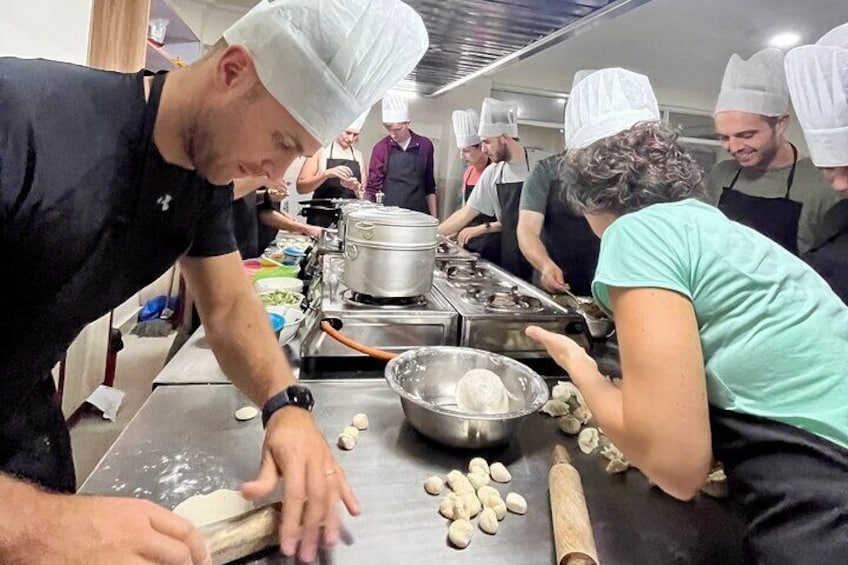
[(534, 406)]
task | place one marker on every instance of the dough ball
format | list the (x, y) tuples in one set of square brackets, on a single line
[(448, 505), (588, 440), (480, 391), (434, 485), (499, 473), (516, 503), (346, 442), (565, 391), (479, 464), (570, 425), (500, 509), (459, 483), (472, 503), (459, 533), (204, 509), (611, 452), (486, 492), (716, 483), (582, 413), (360, 421), (351, 431), (616, 466), (246, 413), (555, 408), (478, 479), (488, 521)]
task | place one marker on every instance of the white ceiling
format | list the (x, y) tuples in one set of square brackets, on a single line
[(682, 45)]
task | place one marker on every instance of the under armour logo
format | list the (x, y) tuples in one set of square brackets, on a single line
[(164, 202)]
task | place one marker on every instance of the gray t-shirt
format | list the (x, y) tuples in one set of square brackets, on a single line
[(818, 221), (484, 197)]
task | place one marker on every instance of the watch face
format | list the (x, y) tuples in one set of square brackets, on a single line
[(300, 396)]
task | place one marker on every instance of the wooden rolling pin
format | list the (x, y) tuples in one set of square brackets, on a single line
[(575, 544), (243, 535)]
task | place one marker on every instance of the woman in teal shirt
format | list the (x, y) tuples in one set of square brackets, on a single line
[(731, 348)]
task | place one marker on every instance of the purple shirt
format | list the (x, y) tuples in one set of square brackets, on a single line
[(380, 160)]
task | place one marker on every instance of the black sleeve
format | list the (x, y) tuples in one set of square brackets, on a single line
[(214, 235)]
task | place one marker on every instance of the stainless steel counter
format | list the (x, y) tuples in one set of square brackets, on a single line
[(185, 441)]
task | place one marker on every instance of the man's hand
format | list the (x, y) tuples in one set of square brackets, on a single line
[(311, 231), (467, 234), (109, 530), (351, 183), (552, 279), (295, 450)]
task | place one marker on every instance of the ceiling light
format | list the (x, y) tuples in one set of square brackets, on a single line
[(785, 40)]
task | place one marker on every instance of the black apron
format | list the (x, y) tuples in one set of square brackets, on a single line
[(570, 242), (775, 218), (266, 234), (404, 184), (332, 187), (488, 245), (791, 485), (509, 196), (34, 439), (246, 225), (830, 260)]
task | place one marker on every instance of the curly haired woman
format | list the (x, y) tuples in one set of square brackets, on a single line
[(731, 348)]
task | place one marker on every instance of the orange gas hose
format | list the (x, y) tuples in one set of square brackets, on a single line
[(370, 351)]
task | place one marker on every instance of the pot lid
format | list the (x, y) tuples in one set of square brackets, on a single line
[(393, 216)]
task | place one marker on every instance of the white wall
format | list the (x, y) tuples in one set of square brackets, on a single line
[(50, 29)]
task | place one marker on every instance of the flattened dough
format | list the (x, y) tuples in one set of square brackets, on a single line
[(205, 509), (246, 413)]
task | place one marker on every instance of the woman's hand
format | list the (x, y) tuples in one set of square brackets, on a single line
[(567, 353)]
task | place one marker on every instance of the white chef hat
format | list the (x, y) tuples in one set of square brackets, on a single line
[(818, 82), (498, 117), (756, 86), (465, 126), (580, 75), (395, 109), (359, 122), (608, 102), (326, 61)]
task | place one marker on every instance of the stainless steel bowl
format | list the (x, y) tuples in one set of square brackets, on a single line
[(425, 380)]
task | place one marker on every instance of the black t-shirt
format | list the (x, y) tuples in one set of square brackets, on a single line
[(89, 211)]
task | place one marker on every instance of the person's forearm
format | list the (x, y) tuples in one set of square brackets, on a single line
[(533, 249), (243, 187), (24, 505), (457, 220), (247, 349), (309, 183), (279, 221), (433, 206)]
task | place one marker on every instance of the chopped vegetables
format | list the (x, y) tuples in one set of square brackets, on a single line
[(281, 298)]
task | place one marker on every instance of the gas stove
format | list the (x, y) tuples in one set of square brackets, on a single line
[(394, 325), (495, 308)]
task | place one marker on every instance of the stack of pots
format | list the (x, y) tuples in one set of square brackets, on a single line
[(389, 252)]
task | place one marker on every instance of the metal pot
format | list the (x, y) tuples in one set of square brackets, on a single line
[(390, 252), (346, 210)]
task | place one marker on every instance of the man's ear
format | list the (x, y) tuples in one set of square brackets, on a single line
[(235, 69), (782, 124)]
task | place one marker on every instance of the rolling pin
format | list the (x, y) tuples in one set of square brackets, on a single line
[(243, 535), (575, 544)]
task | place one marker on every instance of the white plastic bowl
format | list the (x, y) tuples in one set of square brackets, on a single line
[(293, 316), (278, 283)]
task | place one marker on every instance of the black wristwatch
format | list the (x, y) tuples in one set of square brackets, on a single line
[(294, 395)]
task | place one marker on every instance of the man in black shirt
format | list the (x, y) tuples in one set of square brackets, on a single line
[(105, 180)]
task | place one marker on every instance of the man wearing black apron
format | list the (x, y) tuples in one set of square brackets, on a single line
[(401, 165), (477, 237), (499, 190), (767, 185), (817, 76), (558, 243), (107, 179)]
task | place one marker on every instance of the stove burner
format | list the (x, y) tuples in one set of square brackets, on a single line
[(465, 273), (512, 301), (445, 248), (359, 299)]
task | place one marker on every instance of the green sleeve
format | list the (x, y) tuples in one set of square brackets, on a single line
[(534, 194)]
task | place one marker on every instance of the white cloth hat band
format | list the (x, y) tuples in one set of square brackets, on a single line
[(463, 141), (494, 130), (752, 102), (608, 126)]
